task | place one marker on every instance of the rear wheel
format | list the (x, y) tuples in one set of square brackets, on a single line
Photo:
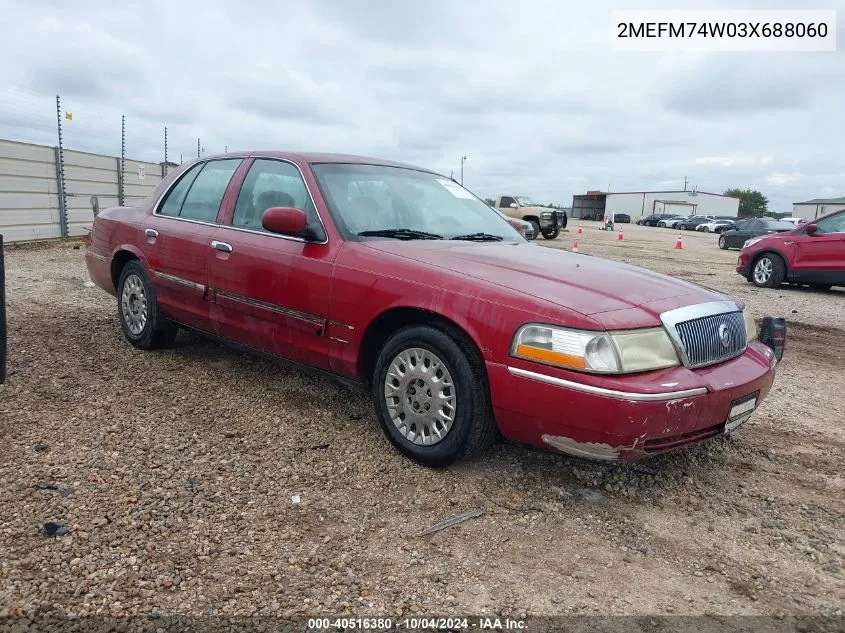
[(768, 271), (431, 397), (143, 325), (723, 242)]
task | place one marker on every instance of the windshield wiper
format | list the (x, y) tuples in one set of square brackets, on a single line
[(479, 237), (402, 234)]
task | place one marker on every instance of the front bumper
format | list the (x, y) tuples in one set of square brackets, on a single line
[(625, 417), (742, 265), (555, 221)]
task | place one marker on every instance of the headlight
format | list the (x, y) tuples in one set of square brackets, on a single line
[(752, 241), (751, 330), (597, 352), (546, 214)]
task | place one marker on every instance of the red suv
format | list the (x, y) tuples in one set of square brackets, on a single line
[(812, 254)]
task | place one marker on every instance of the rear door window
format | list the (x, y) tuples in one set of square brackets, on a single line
[(206, 192), (173, 202)]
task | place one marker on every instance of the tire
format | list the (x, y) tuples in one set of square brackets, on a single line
[(768, 271), (661, 225), (536, 226), (143, 324), (706, 229), (723, 242), (682, 227), (551, 234), (472, 427)]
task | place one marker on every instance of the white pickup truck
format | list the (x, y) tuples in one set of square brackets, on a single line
[(546, 222)]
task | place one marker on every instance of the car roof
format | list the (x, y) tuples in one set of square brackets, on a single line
[(315, 158)]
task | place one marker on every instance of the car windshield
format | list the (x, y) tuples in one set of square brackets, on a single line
[(393, 202), (526, 202), (777, 225)]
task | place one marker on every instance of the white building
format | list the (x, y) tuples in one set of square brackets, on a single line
[(638, 204), (813, 209)]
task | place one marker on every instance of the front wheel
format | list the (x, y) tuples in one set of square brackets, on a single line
[(723, 242), (551, 234), (769, 271), (431, 397), (143, 324)]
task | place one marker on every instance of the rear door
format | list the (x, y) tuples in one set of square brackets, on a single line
[(177, 237), (271, 291), (820, 257)]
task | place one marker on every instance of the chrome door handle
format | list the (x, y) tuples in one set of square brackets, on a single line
[(151, 233), (221, 246)]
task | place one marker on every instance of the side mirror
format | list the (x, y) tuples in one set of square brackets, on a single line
[(812, 228), (284, 220), (513, 205)]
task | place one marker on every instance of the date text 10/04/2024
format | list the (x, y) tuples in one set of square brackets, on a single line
[(416, 624)]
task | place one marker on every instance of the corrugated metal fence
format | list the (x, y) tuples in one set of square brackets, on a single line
[(30, 186)]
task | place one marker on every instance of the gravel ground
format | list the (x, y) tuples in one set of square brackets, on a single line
[(171, 476)]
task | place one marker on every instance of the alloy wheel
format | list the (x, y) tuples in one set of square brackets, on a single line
[(420, 396), (133, 304)]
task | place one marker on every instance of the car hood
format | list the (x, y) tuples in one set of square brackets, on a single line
[(613, 294)]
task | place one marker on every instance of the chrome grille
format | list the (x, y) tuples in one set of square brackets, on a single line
[(701, 340)]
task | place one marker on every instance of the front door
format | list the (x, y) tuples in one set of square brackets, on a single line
[(177, 237), (271, 291), (820, 257)]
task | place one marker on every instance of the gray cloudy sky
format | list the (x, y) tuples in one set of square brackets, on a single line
[(529, 91)]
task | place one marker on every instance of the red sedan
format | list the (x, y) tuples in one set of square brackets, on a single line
[(402, 281)]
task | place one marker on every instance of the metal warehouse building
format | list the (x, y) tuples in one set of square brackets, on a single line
[(813, 209), (637, 204)]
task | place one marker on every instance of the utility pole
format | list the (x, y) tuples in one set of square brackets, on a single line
[(122, 176), (198, 147), (463, 158), (686, 180), (60, 173), (165, 150)]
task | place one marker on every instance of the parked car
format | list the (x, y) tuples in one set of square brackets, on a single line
[(546, 222), (716, 226), (526, 229), (672, 222), (692, 222), (400, 281), (747, 229), (795, 221), (622, 218), (654, 218), (812, 253)]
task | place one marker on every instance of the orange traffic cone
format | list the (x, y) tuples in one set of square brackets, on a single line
[(580, 230), (680, 243), (575, 246), (619, 237)]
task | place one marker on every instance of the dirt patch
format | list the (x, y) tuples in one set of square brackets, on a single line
[(174, 475)]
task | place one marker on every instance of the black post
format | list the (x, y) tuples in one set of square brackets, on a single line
[(165, 152), (60, 173), (122, 167), (2, 315)]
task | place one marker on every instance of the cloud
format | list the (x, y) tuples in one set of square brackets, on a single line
[(530, 93)]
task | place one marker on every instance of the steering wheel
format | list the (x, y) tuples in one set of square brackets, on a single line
[(447, 221)]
